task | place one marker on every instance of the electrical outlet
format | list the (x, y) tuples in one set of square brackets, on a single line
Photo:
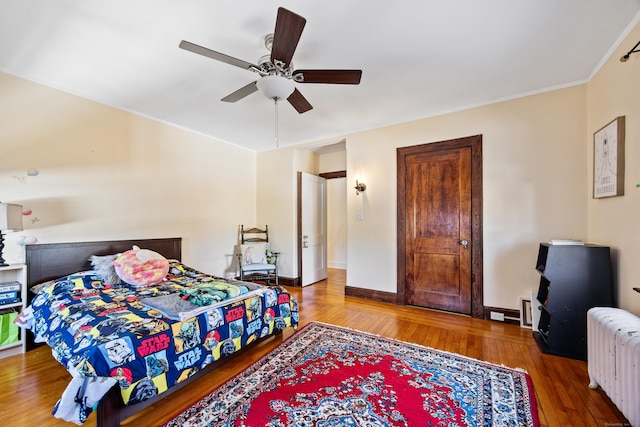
[(497, 316), (360, 215)]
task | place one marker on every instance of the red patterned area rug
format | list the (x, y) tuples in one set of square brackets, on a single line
[(330, 376)]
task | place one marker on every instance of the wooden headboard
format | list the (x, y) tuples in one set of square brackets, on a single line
[(53, 260)]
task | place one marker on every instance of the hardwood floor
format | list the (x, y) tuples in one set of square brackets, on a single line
[(30, 384)]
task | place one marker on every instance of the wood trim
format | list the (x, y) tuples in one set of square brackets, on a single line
[(475, 142), (282, 281), (332, 175), (289, 281), (299, 224), (510, 316), (370, 294)]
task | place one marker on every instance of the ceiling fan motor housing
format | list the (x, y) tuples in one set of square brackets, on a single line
[(268, 41)]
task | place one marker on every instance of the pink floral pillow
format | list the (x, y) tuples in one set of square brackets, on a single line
[(139, 267)]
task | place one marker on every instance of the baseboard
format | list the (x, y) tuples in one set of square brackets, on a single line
[(510, 316), (283, 281), (370, 294), (339, 265), (289, 281)]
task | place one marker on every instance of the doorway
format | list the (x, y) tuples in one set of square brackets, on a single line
[(330, 163), (440, 225), (312, 228)]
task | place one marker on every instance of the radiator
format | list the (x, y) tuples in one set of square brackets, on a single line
[(613, 356)]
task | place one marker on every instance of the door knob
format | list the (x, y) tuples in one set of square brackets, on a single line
[(464, 243)]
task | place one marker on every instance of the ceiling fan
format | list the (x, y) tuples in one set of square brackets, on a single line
[(276, 70)]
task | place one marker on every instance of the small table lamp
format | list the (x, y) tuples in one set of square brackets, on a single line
[(10, 220)]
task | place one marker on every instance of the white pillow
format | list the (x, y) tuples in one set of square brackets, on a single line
[(254, 253)]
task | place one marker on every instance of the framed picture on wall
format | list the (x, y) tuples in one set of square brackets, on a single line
[(608, 160)]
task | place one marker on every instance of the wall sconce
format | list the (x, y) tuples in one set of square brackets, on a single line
[(634, 49), (360, 187)]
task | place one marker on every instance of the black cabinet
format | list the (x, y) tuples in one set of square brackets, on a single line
[(573, 279)]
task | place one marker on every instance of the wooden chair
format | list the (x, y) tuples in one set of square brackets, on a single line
[(256, 260)]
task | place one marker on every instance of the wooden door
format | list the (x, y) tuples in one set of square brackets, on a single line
[(436, 211)]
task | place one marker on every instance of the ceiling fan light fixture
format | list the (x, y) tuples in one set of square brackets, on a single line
[(275, 87)]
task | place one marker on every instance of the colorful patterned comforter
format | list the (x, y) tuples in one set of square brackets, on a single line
[(104, 335)]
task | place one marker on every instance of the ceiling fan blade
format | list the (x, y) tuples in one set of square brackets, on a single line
[(286, 36), (343, 77), (241, 93), (299, 102), (191, 47)]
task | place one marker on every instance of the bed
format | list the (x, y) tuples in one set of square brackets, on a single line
[(122, 351)]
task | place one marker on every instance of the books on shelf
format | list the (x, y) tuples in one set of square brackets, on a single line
[(10, 286), (565, 242), (10, 292)]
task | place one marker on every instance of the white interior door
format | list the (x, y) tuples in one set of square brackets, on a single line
[(313, 228)]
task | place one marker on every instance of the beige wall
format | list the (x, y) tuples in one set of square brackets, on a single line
[(332, 162), (337, 222), (336, 208), (612, 92), (107, 174), (276, 205)]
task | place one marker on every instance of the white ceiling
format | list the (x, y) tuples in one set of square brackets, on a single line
[(419, 58)]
